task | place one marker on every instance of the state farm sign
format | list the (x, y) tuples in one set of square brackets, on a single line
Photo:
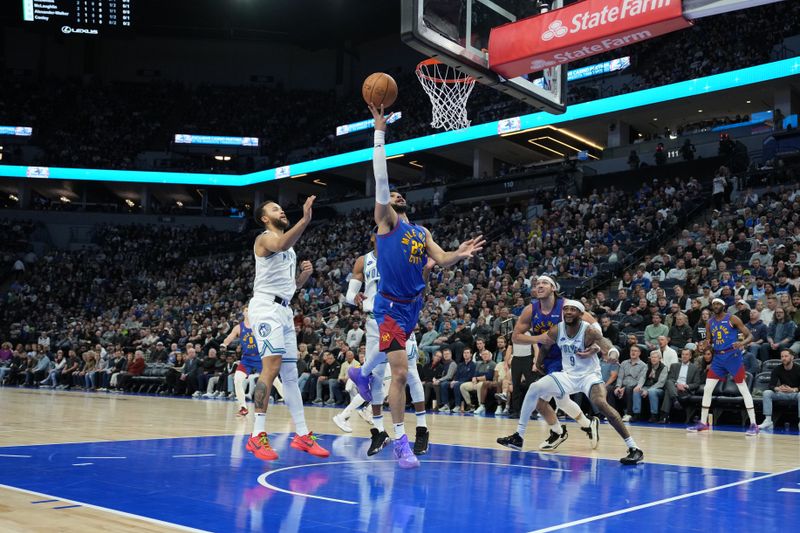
[(579, 30)]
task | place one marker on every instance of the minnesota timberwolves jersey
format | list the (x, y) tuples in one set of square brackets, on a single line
[(402, 255), (571, 362), (371, 278), (275, 276)]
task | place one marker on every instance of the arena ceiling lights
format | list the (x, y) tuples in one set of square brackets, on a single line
[(702, 86)]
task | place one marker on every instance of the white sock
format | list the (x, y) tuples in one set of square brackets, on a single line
[(260, 425), (371, 362), (767, 420), (399, 430), (421, 421), (293, 398), (377, 420), (630, 443), (583, 421), (556, 428), (352, 406)]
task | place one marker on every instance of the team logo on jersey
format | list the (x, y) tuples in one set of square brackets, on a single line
[(264, 329), (385, 337)]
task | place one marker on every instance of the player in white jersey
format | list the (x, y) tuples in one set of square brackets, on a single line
[(272, 321), (579, 344), (365, 270)]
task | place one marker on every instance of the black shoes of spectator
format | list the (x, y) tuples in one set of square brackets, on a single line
[(421, 442), (634, 457), (513, 441), (593, 431), (379, 440)]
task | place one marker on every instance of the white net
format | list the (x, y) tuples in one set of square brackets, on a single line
[(448, 90)]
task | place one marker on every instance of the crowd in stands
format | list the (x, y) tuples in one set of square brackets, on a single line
[(147, 308), (107, 124)]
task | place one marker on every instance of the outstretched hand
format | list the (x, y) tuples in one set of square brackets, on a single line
[(377, 114), (471, 247), (307, 211)]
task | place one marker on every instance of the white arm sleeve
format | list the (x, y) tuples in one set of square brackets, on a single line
[(379, 169), (352, 289)]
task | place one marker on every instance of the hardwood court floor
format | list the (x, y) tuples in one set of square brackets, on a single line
[(31, 418)]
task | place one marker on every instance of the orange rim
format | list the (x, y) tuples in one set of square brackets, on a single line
[(432, 62)]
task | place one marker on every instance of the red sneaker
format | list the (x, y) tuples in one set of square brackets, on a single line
[(308, 444), (242, 412), (259, 446)]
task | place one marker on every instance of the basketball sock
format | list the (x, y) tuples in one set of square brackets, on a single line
[(421, 421), (399, 430), (708, 391), (630, 443), (260, 424), (556, 428), (238, 388), (352, 406), (377, 421), (371, 362), (293, 398), (582, 421), (528, 406)]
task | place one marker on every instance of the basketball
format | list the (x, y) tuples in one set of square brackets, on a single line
[(379, 88)]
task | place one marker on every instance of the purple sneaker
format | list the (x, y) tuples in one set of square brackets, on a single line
[(402, 451), (697, 428), (362, 383), (752, 431)]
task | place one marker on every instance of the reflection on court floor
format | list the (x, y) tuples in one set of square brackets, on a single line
[(210, 483)]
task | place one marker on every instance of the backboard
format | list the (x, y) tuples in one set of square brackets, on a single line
[(456, 32)]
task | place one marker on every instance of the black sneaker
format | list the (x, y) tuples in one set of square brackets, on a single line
[(634, 457), (513, 441), (554, 440), (421, 442), (379, 440), (593, 431)]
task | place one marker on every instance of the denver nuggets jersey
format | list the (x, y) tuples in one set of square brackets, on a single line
[(371, 278), (402, 255), (275, 276), (571, 363), (542, 323), (247, 340), (722, 333)]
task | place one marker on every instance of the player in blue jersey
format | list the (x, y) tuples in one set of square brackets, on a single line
[(249, 363), (723, 331), (544, 312), (403, 250)]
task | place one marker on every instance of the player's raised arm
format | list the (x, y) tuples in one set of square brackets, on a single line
[(356, 280), (465, 250), (306, 269), (385, 216), (231, 336), (274, 242)]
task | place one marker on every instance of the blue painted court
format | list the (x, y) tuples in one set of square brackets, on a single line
[(211, 483)]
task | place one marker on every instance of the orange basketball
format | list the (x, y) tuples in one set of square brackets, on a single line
[(379, 88)]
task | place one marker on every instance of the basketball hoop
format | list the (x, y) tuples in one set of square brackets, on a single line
[(449, 90)]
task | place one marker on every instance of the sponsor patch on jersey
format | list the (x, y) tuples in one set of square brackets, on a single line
[(264, 329)]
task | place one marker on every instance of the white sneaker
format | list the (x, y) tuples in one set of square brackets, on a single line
[(444, 409), (208, 395), (480, 411), (196, 394), (366, 414), (341, 421), (626, 418), (457, 409), (766, 424), (498, 411)]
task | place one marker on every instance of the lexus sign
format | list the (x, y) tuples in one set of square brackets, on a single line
[(579, 30)]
